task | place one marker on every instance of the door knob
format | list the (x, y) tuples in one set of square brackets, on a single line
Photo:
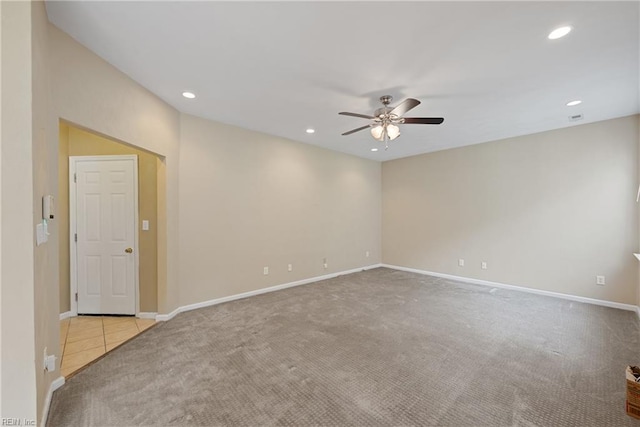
[(128, 250)]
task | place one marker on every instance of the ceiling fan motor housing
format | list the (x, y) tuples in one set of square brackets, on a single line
[(382, 112)]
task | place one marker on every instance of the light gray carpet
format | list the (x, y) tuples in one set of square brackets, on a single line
[(381, 347)]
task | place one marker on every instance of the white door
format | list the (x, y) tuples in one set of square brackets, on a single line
[(105, 233)]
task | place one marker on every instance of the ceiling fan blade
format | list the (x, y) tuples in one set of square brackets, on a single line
[(423, 120), (362, 116), (355, 130), (405, 106)]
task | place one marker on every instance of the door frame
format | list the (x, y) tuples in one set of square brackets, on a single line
[(73, 247)]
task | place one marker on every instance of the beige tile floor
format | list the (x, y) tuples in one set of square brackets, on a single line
[(83, 339)]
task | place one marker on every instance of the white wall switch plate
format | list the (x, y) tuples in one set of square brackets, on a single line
[(461, 262), (483, 265), (366, 254), (265, 271), (600, 280), (290, 267), (145, 225)]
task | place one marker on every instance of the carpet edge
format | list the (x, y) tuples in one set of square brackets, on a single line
[(55, 384), (577, 298)]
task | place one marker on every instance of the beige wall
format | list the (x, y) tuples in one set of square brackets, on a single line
[(45, 170), (250, 200), (77, 142), (18, 376), (547, 211), (90, 93)]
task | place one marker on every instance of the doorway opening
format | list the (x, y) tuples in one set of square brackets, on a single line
[(84, 339), (151, 222)]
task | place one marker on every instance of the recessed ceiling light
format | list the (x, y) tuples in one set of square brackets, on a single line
[(311, 130), (559, 32), (572, 103), (374, 149), (189, 95)]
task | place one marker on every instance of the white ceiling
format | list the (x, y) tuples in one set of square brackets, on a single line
[(281, 67)]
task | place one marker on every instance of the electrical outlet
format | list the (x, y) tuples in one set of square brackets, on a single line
[(600, 280), (290, 267), (324, 263), (461, 262), (265, 271), (366, 254), (484, 265), (50, 363)]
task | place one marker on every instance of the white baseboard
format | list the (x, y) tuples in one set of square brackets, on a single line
[(519, 288), (146, 315), (65, 315), (165, 317), (56, 384)]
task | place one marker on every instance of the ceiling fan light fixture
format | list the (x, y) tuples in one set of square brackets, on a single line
[(393, 131), (378, 132), (559, 33)]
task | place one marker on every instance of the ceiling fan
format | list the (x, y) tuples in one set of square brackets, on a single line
[(385, 120)]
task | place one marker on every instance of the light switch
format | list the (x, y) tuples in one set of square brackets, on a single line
[(145, 225)]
